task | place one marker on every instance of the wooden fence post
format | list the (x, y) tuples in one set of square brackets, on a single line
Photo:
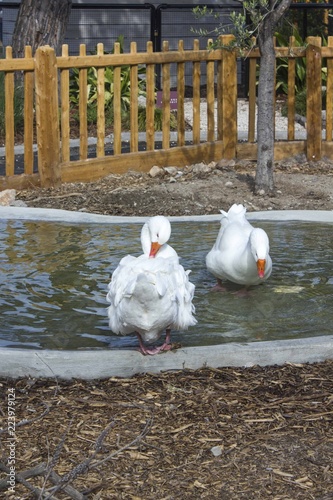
[(229, 98), (47, 117), (314, 98)]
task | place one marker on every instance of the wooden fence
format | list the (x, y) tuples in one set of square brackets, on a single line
[(47, 108)]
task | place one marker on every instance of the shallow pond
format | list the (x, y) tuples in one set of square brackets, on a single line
[(54, 279)]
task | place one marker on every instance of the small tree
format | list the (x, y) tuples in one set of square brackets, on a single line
[(259, 18), (40, 22), (270, 12)]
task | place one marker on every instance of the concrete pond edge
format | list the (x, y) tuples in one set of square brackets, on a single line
[(104, 363)]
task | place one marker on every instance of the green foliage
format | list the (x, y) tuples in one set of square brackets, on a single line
[(300, 66), (282, 65), (18, 106), (238, 25), (109, 86), (158, 117), (125, 93)]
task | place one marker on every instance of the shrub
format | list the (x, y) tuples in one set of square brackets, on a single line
[(18, 107)]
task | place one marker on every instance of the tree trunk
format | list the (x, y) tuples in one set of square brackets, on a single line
[(40, 22), (266, 95)]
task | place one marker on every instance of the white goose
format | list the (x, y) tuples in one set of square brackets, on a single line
[(151, 293), (241, 252)]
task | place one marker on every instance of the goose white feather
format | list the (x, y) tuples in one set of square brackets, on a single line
[(241, 252), (151, 293)]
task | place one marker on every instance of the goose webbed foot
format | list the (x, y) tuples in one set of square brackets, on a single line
[(155, 350)]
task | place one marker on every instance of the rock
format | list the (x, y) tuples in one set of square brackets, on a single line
[(229, 184), (155, 171), (142, 101), (201, 168), (7, 197), (224, 163), (216, 450), (212, 165), (171, 170), (18, 203)]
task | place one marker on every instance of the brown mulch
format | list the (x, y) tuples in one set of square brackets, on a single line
[(231, 433)]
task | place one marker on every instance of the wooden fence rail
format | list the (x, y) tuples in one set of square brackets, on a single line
[(47, 110)]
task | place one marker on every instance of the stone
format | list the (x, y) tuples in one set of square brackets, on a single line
[(224, 163), (18, 203), (216, 450), (200, 168), (7, 197), (171, 170), (155, 171)]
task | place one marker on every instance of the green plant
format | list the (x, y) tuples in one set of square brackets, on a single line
[(92, 79), (282, 65), (158, 117), (300, 70), (18, 106)]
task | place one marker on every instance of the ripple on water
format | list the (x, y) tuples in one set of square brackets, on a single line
[(54, 279)]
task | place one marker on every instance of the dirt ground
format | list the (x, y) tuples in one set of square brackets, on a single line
[(194, 190), (246, 433)]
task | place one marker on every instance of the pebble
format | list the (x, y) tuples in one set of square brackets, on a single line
[(216, 450), (155, 171), (199, 168), (171, 170), (7, 197), (18, 203), (225, 163)]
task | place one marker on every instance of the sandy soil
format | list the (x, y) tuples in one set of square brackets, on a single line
[(254, 433)]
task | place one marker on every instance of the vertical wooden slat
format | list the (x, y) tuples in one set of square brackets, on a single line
[(28, 116), (83, 100), (150, 101), (47, 116), (210, 66), (219, 97), (9, 117), (274, 93), (117, 104), (329, 94), (134, 140), (313, 101), (196, 96), (65, 109), (181, 96), (291, 91), (229, 101), (252, 98), (100, 151), (166, 100)]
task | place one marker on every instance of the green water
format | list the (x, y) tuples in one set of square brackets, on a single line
[(54, 279)]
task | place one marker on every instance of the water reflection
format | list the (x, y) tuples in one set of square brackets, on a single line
[(54, 278)]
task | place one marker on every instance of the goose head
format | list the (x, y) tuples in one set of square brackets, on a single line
[(260, 249), (154, 235)]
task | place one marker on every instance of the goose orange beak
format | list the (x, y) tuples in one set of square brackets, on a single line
[(261, 264), (155, 246)]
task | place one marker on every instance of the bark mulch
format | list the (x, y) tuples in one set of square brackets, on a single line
[(231, 433)]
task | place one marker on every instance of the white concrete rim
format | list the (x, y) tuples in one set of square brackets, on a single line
[(55, 215), (104, 363)]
